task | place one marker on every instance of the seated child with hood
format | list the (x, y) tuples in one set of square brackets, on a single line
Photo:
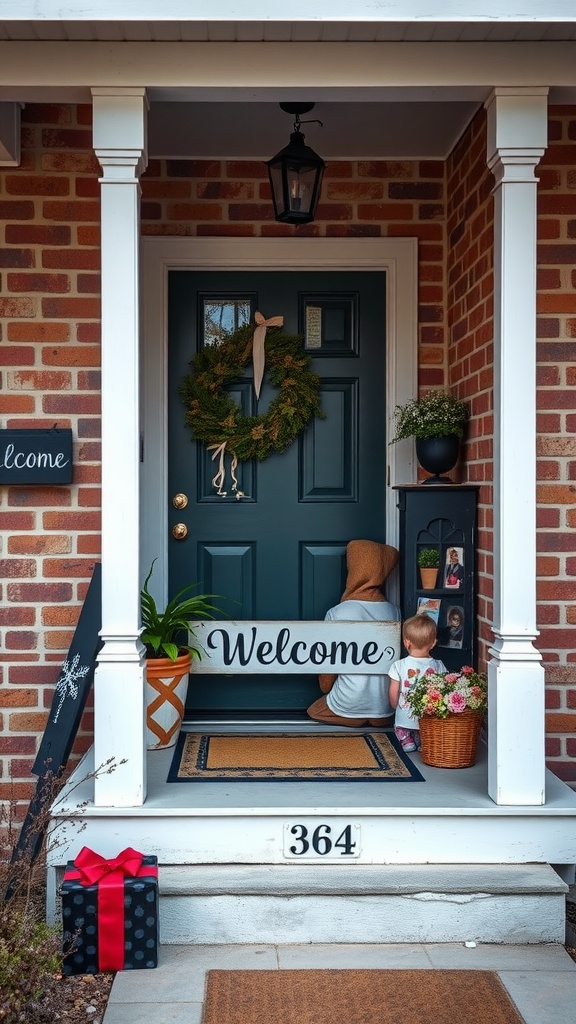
[(356, 700)]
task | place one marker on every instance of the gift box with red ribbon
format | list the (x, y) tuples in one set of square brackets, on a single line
[(110, 912)]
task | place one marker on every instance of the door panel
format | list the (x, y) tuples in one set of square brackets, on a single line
[(329, 446), (279, 553)]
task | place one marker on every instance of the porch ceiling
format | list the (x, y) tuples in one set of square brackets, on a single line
[(195, 114), (240, 129)]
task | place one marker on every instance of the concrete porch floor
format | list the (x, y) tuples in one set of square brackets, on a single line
[(466, 866), (541, 980), (400, 822)]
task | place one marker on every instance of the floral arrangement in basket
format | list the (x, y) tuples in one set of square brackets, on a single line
[(440, 694)]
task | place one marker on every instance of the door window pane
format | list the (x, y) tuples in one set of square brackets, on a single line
[(223, 314)]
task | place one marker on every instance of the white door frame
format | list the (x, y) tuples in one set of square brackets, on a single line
[(398, 260)]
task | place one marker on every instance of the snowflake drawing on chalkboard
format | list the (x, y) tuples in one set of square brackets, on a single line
[(67, 685)]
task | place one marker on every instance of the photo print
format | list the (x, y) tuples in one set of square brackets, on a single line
[(454, 568), (429, 606), (451, 625)]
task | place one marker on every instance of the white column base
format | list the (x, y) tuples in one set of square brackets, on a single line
[(120, 724), (516, 766)]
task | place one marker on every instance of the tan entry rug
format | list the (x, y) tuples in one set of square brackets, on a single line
[(376, 757), (357, 997)]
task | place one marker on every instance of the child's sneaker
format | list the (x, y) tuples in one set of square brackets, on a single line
[(406, 738)]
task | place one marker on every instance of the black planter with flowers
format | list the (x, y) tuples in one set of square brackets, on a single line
[(438, 455), (437, 422)]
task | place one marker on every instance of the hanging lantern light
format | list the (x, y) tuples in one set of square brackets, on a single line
[(296, 173)]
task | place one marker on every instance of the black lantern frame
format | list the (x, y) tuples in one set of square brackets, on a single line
[(296, 174)]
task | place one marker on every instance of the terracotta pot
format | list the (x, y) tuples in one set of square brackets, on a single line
[(428, 578), (167, 683)]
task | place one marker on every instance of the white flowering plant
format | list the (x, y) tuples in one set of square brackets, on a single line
[(435, 414), (440, 694)]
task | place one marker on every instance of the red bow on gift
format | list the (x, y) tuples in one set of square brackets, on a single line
[(109, 876), (93, 867)]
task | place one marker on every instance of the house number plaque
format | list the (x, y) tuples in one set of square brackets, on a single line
[(331, 839)]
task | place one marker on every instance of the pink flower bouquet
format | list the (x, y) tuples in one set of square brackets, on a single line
[(439, 694)]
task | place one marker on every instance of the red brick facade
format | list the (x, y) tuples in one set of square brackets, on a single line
[(49, 359)]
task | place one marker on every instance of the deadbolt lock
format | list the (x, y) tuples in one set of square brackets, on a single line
[(179, 531), (180, 500)]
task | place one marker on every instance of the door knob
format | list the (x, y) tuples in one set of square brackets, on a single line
[(180, 500), (179, 531)]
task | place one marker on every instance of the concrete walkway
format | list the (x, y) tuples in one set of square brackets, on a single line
[(540, 979)]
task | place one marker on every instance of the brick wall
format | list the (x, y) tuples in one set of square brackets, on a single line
[(364, 199), (469, 286), (469, 293), (49, 355), (556, 437), (49, 366)]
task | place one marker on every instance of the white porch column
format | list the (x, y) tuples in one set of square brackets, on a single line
[(517, 137), (119, 691)]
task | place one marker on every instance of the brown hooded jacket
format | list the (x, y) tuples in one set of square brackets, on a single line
[(369, 565)]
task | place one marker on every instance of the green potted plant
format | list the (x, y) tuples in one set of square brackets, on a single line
[(167, 636), (437, 421), (428, 562)]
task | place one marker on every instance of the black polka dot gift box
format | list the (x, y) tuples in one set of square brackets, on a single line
[(110, 912)]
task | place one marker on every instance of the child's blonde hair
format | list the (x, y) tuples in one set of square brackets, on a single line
[(420, 630)]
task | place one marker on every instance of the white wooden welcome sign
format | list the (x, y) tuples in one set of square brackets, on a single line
[(297, 647)]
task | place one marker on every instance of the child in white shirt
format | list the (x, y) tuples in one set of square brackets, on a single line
[(419, 637)]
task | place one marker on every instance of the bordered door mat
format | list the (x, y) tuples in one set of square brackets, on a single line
[(287, 757), (357, 997)]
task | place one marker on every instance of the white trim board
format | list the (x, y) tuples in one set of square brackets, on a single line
[(397, 258)]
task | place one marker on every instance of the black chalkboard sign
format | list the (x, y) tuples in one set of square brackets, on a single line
[(73, 684), (36, 456), (72, 689)]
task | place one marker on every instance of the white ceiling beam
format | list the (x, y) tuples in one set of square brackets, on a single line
[(261, 65)]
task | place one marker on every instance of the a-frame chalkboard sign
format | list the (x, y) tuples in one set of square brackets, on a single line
[(72, 689), (73, 684)]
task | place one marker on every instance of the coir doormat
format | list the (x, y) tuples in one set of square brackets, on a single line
[(357, 997), (287, 757)]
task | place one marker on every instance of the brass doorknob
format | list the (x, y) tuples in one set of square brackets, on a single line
[(179, 531), (180, 500)]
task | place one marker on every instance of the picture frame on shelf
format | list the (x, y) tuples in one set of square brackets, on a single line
[(452, 621), (454, 568), (429, 606)]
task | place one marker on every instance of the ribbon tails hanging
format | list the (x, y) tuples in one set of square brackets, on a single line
[(220, 477), (258, 363)]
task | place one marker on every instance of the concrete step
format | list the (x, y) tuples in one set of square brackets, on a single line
[(339, 903)]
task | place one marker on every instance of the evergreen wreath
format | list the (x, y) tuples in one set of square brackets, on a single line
[(214, 417)]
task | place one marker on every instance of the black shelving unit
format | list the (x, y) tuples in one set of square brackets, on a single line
[(441, 516)]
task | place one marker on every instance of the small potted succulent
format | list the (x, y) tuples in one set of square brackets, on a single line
[(437, 421), (429, 563), (168, 638)]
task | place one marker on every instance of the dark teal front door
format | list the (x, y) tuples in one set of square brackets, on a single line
[(279, 553)]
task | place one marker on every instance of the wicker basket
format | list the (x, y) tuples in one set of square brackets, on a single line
[(451, 742)]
